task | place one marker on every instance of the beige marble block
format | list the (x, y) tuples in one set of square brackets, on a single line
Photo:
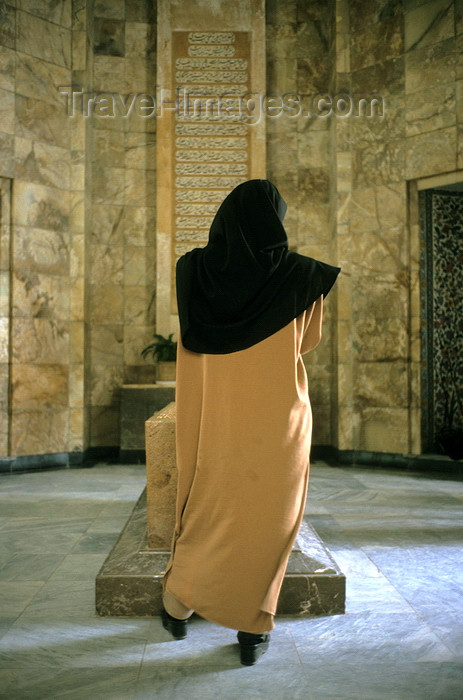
[(43, 40), (40, 80), (7, 68), (40, 206), (428, 24), (161, 477), (39, 387), (39, 431), (44, 121), (431, 153), (384, 430), (6, 111)]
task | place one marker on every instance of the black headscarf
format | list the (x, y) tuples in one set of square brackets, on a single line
[(245, 284)]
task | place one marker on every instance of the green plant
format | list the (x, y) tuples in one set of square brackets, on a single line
[(163, 349)]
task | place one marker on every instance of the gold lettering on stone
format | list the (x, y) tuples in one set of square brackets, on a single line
[(211, 140)]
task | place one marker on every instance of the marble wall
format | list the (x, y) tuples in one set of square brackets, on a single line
[(78, 249)]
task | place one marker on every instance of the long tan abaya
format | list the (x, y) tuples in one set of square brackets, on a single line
[(244, 427)]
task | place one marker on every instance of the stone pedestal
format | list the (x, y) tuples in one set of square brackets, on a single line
[(130, 581), (138, 403)]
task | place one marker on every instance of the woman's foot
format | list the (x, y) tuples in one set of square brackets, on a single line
[(252, 646), (177, 628)]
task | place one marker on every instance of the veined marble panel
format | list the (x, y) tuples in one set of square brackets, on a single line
[(40, 206), (44, 121), (39, 431), (38, 341), (41, 250), (7, 68), (58, 13), (44, 40), (40, 79), (40, 386)]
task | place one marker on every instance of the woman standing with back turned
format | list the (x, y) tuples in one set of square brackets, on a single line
[(249, 308)]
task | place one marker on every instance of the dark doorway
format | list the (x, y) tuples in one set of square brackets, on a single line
[(441, 224)]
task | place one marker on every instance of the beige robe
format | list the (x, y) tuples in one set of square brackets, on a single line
[(244, 427)]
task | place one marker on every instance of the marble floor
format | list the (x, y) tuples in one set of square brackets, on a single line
[(397, 536)]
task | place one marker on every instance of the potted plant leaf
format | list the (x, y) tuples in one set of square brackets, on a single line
[(163, 350)]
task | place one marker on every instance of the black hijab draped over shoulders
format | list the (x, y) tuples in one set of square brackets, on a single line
[(245, 284)]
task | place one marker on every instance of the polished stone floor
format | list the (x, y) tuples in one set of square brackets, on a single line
[(397, 536)]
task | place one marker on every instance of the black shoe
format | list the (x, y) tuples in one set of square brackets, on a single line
[(252, 646), (176, 627)]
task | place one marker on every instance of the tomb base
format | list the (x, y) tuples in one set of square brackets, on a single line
[(130, 580)]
